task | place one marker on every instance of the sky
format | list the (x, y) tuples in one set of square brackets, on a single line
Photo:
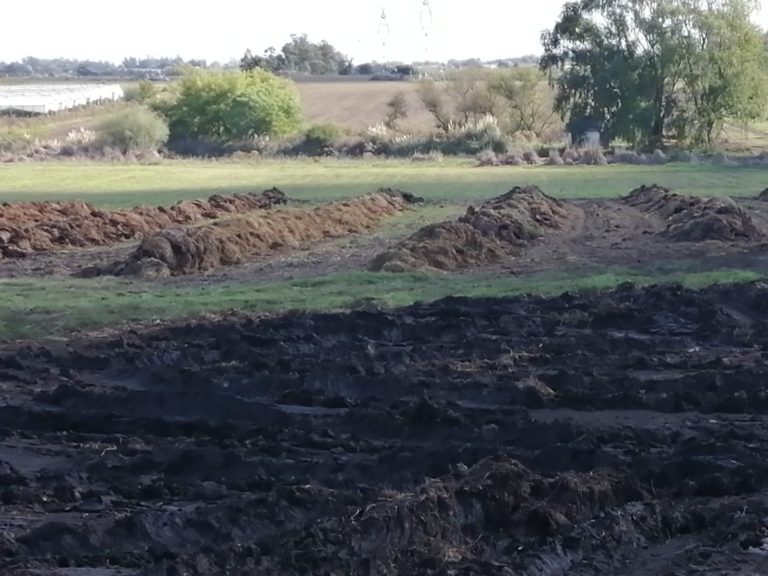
[(220, 31)]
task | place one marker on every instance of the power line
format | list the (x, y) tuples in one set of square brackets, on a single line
[(383, 29)]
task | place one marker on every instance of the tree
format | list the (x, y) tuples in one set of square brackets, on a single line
[(725, 69), (300, 55), (434, 101), (232, 106), (463, 96), (527, 97), (397, 109), (637, 66)]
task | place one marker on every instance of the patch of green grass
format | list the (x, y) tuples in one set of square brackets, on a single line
[(35, 308), (456, 181)]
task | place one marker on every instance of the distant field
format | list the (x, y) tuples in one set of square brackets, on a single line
[(354, 106), (357, 105), (452, 181)]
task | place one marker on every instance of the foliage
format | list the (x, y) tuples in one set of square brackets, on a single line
[(725, 72), (232, 106), (464, 96), (145, 92), (132, 130), (435, 102), (641, 67), (397, 109), (528, 99), (319, 139), (300, 55)]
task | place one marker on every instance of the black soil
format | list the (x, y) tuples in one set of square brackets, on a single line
[(623, 433)]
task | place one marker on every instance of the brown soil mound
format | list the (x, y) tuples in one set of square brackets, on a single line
[(177, 251), (693, 218), (498, 229), (30, 227)]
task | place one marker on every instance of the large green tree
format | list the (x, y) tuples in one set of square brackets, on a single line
[(642, 66), (232, 106)]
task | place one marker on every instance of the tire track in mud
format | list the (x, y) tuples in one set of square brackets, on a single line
[(602, 434)]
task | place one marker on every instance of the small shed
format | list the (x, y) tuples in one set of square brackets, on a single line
[(585, 132)]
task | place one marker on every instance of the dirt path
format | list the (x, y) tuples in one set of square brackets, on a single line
[(595, 435)]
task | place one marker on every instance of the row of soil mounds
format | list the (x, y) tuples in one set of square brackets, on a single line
[(178, 251), (504, 227), (596, 434), (498, 229), (695, 218), (30, 227)]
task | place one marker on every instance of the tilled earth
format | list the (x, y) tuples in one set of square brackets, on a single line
[(623, 433)]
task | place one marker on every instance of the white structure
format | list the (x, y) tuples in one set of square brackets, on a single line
[(46, 98)]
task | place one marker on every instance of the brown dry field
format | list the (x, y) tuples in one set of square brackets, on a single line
[(357, 105)]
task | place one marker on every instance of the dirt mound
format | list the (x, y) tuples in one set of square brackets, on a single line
[(693, 218), (30, 227), (590, 434), (177, 251), (499, 228)]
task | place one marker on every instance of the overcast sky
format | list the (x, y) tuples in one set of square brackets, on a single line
[(222, 30)]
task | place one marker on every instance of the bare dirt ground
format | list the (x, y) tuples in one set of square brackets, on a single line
[(602, 434), (596, 233)]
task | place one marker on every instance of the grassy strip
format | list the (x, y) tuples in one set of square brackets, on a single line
[(452, 181), (35, 308)]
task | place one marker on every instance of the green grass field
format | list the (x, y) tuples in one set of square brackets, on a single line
[(37, 308), (32, 308), (117, 185)]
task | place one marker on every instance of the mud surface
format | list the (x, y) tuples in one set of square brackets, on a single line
[(623, 433), (31, 227)]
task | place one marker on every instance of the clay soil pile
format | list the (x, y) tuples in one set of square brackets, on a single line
[(498, 229), (693, 218), (178, 251), (589, 434), (30, 227)]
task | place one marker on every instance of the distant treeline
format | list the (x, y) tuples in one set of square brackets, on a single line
[(299, 56), (132, 67)]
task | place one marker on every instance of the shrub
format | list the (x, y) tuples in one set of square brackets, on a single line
[(397, 109), (143, 93), (322, 136), (554, 157), (487, 157), (592, 157), (233, 106), (133, 130), (659, 157)]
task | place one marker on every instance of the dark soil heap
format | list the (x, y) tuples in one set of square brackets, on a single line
[(30, 227), (694, 218), (590, 434), (499, 228), (178, 251)]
